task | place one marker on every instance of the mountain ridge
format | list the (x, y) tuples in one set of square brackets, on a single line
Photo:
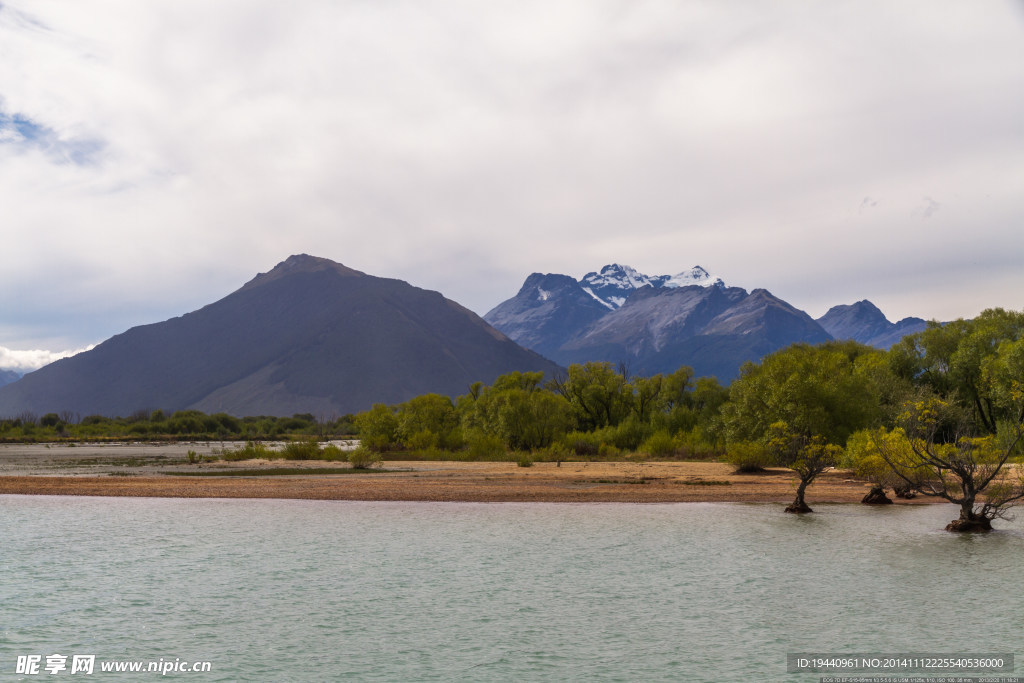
[(620, 315), (308, 336)]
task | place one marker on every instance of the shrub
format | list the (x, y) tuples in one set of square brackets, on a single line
[(626, 436), (307, 449), (251, 450), (525, 460), (481, 446), (659, 445), (582, 443), (552, 453), (362, 458), (748, 456), (697, 444), (332, 453)]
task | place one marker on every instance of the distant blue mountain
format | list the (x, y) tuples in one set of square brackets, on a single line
[(651, 324), (8, 376), (863, 322)]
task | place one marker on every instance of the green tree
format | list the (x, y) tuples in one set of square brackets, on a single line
[(378, 427), (803, 402), (598, 393), (964, 469), (518, 410), (947, 360), (819, 391), (428, 421), (807, 455)]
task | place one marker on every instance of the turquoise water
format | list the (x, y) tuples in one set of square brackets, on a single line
[(323, 590)]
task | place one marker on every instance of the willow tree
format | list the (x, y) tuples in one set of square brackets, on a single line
[(803, 402), (963, 463), (966, 470)]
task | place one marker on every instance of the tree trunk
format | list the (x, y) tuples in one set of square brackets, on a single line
[(799, 506), (876, 496), (970, 521), (904, 491)]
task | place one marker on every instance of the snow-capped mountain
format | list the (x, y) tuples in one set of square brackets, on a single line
[(656, 324), (613, 285), (653, 324)]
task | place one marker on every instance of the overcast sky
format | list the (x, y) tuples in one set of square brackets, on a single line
[(156, 155)]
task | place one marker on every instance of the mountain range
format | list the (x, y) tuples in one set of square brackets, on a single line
[(314, 336), (311, 336), (655, 324)]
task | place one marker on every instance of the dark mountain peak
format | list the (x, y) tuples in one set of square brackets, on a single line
[(302, 263), (541, 284), (309, 336), (865, 323), (863, 309)]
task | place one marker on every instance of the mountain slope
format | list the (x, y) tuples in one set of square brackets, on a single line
[(309, 336), (714, 330), (551, 309), (863, 322), (652, 324)]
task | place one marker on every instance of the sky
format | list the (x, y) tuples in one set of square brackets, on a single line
[(155, 156)]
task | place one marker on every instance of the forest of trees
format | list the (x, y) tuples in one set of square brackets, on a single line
[(939, 414)]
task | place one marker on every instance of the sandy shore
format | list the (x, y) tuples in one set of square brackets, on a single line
[(141, 470)]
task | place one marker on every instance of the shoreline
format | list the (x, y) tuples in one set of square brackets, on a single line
[(438, 481)]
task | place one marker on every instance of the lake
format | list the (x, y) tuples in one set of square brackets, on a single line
[(323, 590)]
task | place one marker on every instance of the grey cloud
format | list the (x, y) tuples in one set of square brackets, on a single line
[(462, 145)]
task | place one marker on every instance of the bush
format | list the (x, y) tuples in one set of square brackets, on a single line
[(748, 456), (250, 451), (362, 458), (307, 449), (697, 444), (481, 446), (552, 453), (525, 460), (660, 445), (332, 453), (582, 443)]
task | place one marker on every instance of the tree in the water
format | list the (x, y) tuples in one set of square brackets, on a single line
[(935, 457), (806, 455), (803, 402)]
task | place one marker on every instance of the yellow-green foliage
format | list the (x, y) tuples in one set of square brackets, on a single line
[(307, 449), (748, 456), (862, 456), (482, 446), (362, 458), (661, 444), (332, 453), (252, 450)]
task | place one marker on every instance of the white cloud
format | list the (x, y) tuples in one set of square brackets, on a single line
[(462, 145), (27, 361)]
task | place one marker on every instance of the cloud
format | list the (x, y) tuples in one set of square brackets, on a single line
[(22, 133), (27, 361), (177, 148)]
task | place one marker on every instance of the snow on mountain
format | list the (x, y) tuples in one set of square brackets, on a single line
[(613, 285), (621, 277), (693, 276)]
